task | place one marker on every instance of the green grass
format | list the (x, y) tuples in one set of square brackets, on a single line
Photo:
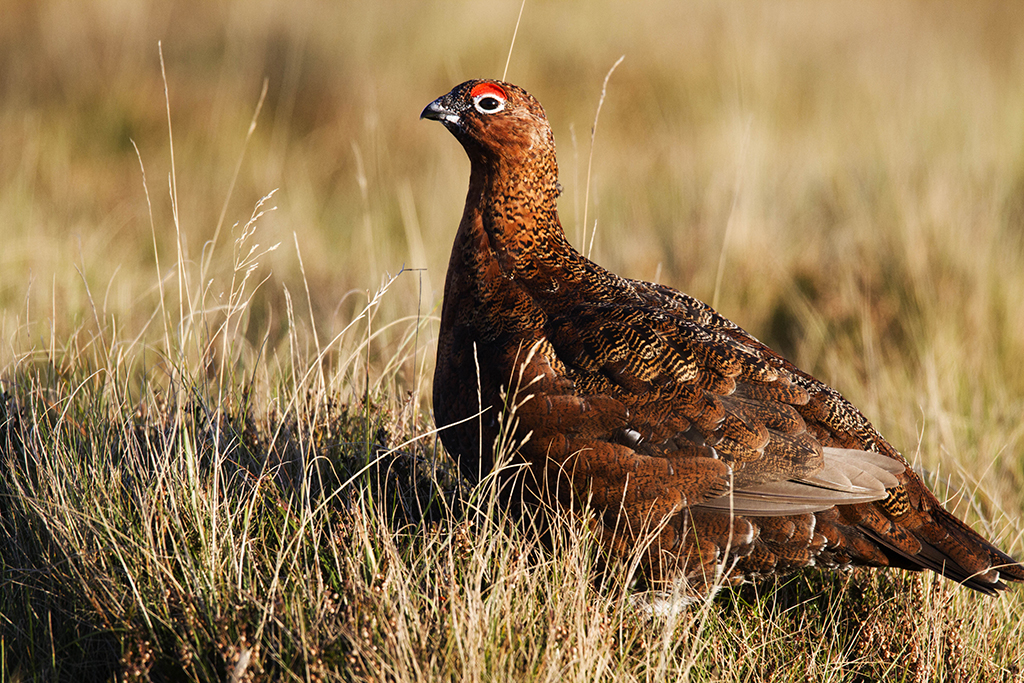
[(216, 450)]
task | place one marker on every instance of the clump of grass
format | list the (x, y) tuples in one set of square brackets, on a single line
[(202, 524), (167, 509)]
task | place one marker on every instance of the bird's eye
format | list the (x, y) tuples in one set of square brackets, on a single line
[(488, 104), (488, 97)]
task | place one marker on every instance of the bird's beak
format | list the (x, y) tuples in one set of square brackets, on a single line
[(437, 111)]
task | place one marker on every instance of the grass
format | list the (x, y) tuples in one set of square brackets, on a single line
[(216, 456)]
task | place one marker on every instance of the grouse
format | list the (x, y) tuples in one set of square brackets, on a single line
[(695, 447)]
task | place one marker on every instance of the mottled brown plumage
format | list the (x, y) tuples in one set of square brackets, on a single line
[(684, 434)]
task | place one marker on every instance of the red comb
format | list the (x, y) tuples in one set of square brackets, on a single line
[(481, 89)]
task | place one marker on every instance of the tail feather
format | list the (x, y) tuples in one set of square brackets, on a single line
[(947, 546), (931, 557)]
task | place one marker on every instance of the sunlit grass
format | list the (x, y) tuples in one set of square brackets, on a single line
[(217, 456)]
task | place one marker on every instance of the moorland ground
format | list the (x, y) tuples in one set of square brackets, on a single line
[(217, 458)]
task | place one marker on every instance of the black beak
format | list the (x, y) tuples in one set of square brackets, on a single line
[(438, 111)]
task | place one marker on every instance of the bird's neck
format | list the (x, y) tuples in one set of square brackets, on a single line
[(512, 209)]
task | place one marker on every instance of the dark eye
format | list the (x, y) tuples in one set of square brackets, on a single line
[(488, 104)]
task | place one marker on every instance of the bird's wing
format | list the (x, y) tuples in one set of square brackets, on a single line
[(847, 477), (679, 377)]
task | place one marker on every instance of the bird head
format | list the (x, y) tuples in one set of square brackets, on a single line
[(493, 120)]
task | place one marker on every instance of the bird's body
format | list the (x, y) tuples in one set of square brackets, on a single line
[(688, 438)]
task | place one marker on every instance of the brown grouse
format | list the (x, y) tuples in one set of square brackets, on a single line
[(691, 442)]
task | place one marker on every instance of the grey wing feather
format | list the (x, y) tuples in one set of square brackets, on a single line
[(847, 477)]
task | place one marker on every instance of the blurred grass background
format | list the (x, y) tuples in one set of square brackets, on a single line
[(851, 176), (844, 180)]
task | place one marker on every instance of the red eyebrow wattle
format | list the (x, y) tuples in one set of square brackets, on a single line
[(481, 89)]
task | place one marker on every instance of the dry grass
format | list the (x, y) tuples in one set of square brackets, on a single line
[(217, 461)]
